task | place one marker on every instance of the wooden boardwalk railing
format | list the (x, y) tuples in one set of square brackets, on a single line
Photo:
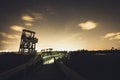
[(71, 74), (11, 72)]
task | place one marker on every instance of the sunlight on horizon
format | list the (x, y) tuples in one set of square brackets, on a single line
[(59, 47)]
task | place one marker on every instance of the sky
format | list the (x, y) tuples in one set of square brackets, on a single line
[(61, 24)]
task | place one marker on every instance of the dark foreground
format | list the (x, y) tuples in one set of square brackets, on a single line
[(92, 67), (96, 67), (45, 72)]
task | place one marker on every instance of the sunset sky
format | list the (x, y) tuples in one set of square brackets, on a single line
[(61, 24)]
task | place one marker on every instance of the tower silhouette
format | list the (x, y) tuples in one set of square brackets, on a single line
[(28, 42)]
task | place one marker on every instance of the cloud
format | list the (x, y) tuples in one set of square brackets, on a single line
[(88, 25), (34, 16), (108, 35), (16, 28), (5, 42), (113, 36), (117, 37), (27, 18), (28, 24), (9, 36)]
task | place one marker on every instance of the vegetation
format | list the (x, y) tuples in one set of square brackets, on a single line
[(12, 59), (94, 65)]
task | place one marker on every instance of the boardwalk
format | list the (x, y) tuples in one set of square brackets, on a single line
[(46, 72)]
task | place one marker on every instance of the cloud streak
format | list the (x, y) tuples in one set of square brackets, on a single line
[(17, 28), (28, 24), (5, 42), (9, 36), (27, 18), (88, 25), (113, 36)]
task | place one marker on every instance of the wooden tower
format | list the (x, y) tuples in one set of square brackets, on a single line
[(28, 42)]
